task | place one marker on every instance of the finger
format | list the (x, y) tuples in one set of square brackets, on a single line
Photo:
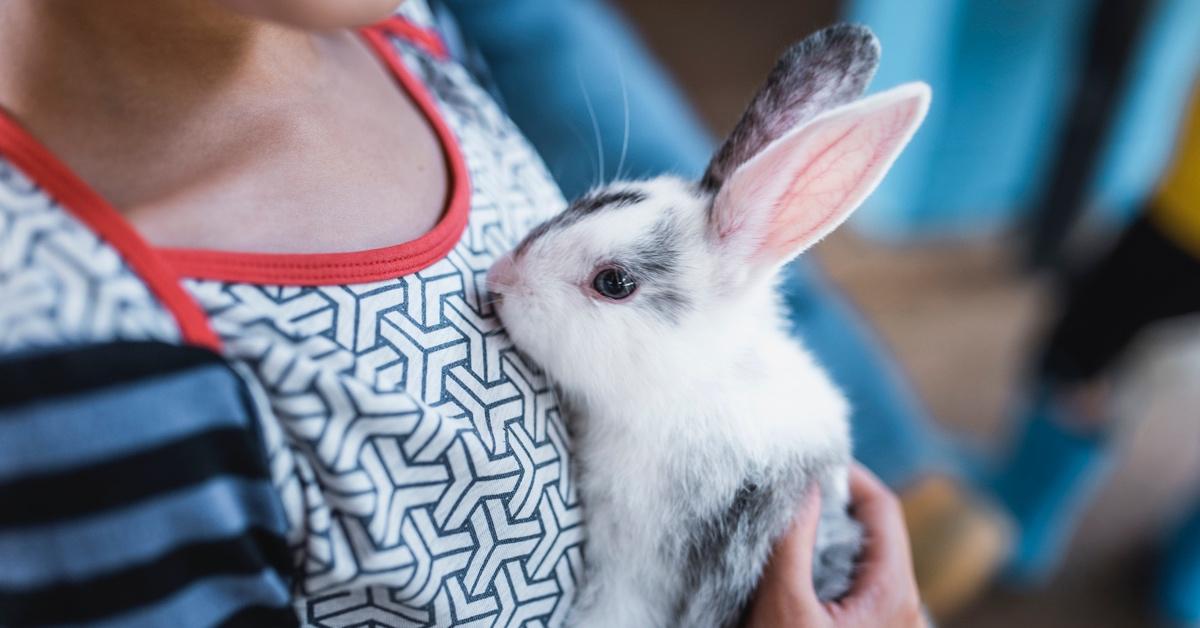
[(803, 542), (785, 594), (791, 560), (886, 554)]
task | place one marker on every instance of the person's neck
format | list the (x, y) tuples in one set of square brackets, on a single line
[(126, 57)]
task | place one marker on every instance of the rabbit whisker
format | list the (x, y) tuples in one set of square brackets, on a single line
[(625, 131), (587, 100)]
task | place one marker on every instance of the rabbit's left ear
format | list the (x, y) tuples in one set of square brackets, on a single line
[(804, 184)]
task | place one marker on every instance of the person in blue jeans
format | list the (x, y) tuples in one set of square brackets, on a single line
[(597, 106)]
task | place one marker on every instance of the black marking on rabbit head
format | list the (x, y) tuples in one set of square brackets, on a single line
[(586, 205), (651, 259), (828, 68), (604, 199)]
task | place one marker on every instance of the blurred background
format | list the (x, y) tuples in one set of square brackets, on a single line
[(959, 259), (1012, 313)]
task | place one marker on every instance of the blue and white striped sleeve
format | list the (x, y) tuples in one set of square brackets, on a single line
[(134, 491)]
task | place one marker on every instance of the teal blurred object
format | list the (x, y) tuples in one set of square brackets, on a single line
[(584, 90), (1001, 75), (1050, 475), (1179, 575)]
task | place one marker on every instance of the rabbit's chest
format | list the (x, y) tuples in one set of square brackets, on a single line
[(652, 478)]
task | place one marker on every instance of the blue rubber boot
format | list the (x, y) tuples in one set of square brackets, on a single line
[(1177, 595), (1050, 477)]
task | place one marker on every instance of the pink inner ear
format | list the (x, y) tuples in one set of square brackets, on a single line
[(826, 185), (806, 183)]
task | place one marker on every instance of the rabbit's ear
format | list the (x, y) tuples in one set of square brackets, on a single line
[(828, 68), (803, 185)]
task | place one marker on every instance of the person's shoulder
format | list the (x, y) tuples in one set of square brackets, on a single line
[(16, 189), (61, 283), (105, 451), (30, 221)]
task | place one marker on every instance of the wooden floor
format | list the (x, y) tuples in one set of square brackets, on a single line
[(961, 321)]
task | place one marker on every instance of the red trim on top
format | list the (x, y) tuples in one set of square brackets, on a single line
[(427, 39), (161, 269), (40, 165), (310, 269)]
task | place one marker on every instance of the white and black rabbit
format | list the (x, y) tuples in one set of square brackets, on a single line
[(699, 422)]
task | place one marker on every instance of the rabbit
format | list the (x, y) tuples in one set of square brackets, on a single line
[(698, 422)]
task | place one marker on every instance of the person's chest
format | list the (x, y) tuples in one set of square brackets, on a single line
[(423, 466), (331, 183), (345, 162), (413, 448)]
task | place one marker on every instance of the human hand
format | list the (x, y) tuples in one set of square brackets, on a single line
[(884, 594)]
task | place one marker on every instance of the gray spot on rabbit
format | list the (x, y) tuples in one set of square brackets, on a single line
[(724, 542), (656, 263), (828, 68), (737, 540), (731, 541)]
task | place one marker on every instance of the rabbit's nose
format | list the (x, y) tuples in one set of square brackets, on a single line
[(502, 277)]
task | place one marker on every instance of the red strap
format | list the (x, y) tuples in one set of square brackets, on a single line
[(427, 39), (313, 269), (162, 268), (28, 155)]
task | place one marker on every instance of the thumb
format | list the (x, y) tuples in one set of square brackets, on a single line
[(792, 560), (785, 594)]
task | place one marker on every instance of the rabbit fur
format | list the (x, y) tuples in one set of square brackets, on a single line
[(698, 421)]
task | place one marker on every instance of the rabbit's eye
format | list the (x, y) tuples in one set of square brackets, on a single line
[(614, 283)]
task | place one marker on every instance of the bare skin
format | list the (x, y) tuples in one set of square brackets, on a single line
[(191, 118), (885, 589)]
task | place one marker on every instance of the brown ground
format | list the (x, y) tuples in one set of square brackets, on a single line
[(960, 320)]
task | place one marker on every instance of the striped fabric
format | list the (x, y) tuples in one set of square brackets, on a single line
[(134, 492)]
